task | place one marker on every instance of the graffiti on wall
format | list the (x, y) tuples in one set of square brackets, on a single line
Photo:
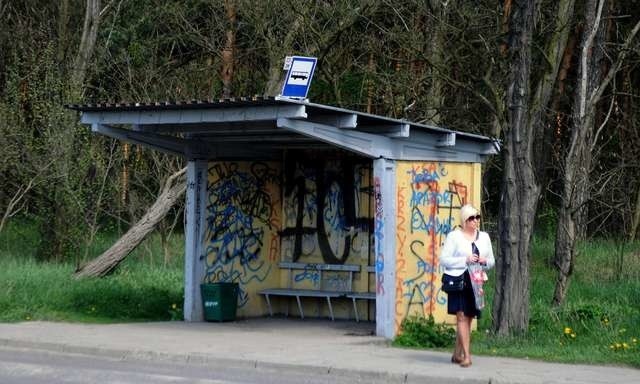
[(378, 236), (242, 220), (428, 201), (258, 214), (326, 211)]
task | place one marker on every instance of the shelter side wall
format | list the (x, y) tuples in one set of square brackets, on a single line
[(327, 219), (243, 218), (429, 198), (316, 211)]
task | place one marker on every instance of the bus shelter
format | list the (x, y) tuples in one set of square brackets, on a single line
[(288, 194)]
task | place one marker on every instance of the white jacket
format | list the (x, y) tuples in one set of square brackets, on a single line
[(456, 249)]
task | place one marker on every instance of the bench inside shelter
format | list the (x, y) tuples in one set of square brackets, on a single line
[(354, 296), (325, 289)]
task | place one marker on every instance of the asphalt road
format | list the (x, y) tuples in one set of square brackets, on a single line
[(25, 366)]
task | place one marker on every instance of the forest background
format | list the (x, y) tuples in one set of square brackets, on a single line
[(556, 80)]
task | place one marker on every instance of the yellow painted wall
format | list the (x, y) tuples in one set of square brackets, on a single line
[(429, 197), (324, 231), (258, 211), (243, 217)]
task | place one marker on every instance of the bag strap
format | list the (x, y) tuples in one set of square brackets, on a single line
[(473, 243)]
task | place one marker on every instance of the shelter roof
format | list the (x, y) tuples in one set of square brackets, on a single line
[(262, 127)]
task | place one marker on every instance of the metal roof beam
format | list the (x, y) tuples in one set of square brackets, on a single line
[(191, 149), (388, 130), (360, 142), (218, 151), (338, 120), (259, 139), (225, 127), (186, 116), (170, 145), (446, 140)]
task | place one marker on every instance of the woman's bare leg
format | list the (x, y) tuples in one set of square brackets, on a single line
[(464, 331), (457, 352)]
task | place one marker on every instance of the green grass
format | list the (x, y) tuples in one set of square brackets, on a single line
[(143, 288), (602, 310), (597, 325)]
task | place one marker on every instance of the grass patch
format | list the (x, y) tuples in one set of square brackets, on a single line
[(144, 287), (599, 323), (35, 291)]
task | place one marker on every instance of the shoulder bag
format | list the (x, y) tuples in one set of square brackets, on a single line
[(452, 283)]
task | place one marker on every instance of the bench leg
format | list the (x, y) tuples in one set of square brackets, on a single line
[(300, 307), (269, 305), (330, 308), (355, 309), (286, 311)]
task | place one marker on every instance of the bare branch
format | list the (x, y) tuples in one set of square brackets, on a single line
[(624, 50), (583, 62), (601, 127)]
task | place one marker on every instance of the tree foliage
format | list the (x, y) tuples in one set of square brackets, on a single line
[(445, 62)]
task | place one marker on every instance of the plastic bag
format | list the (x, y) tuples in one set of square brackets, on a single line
[(478, 277)]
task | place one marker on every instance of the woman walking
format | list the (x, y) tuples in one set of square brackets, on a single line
[(463, 247)]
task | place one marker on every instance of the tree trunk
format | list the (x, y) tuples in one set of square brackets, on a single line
[(577, 163), (436, 49), (228, 53), (63, 30), (636, 218), (520, 191), (555, 51), (173, 189), (87, 43), (635, 223), (276, 56), (576, 184), (371, 67)]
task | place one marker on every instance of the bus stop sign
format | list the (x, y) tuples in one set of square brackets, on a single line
[(299, 77)]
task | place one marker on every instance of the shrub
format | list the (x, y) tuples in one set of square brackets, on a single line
[(424, 332)]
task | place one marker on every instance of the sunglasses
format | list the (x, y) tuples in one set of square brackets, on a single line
[(476, 217)]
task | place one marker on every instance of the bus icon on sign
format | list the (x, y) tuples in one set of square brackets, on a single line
[(299, 75)]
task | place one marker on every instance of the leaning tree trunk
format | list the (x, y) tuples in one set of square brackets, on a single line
[(520, 191), (173, 189)]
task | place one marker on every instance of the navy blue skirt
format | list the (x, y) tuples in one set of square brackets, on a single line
[(464, 300)]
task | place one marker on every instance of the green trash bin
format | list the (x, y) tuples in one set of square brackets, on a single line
[(219, 301)]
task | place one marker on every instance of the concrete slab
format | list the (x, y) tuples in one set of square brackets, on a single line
[(312, 346)]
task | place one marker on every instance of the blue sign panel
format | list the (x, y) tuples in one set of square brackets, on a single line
[(299, 77)]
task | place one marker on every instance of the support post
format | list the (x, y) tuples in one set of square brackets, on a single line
[(384, 182), (194, 263)]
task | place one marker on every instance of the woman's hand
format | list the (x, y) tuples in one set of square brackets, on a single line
[(473, 258)]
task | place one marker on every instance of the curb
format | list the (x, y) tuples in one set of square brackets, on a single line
[(216, 362)]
